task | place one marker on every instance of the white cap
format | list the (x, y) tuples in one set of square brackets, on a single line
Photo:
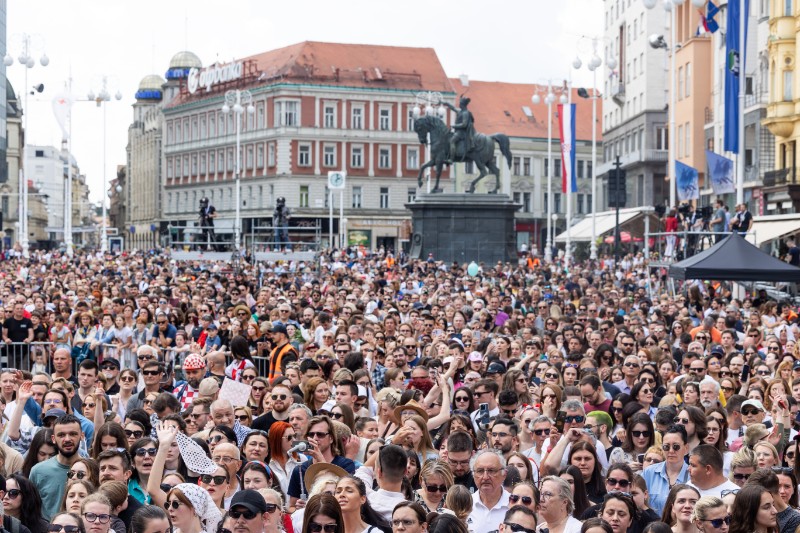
[(327, 406)]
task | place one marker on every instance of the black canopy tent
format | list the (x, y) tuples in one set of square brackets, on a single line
[(734, 259)]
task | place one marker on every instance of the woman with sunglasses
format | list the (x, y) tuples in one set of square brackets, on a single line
[(281, 462), (553, 377), (85, 468), (551, 399), (711, 515), (639, 436), (323, 513), (259, 387), (462, 400), (515, 380), (66, 521), (436, 479), (672, 471), (22, 501), (128, 379), (143, 453), (220, 434), (216, 485), (523, 493), (344, 414), (191, 509)]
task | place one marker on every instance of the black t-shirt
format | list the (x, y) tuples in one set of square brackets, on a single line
[(794, 256), (264, 422), (18, 329)]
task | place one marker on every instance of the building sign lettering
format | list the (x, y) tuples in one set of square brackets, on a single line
[(210, 76)]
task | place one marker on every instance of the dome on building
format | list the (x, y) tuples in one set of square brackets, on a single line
[(150, 88), (151, 82), (185, 59)]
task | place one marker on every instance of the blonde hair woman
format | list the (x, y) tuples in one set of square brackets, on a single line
[(710, 515), (436, 479)]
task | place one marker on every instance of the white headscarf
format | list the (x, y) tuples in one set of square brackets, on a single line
[(203, 504)]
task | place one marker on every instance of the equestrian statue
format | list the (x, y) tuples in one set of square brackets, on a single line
[(460, 145)]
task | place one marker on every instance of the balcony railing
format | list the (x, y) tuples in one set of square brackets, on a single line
[(784, 176)]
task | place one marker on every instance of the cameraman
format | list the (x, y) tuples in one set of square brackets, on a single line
[(207, 215), (280, 221), (693, 223)]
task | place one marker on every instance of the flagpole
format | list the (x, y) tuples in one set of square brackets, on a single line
[(743, 16), (568, 164)]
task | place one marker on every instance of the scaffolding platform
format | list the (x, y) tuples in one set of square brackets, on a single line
[(196, 255), (271, 257)]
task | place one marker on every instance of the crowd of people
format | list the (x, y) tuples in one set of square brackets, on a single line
[(367, 393)]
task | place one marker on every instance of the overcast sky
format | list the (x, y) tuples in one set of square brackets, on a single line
[(524, 41)]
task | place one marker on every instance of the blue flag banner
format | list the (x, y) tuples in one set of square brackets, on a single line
[(687, 181), (734, 44), (711, 12), (720, 172)]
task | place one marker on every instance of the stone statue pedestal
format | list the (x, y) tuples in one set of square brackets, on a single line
[(461, 227)]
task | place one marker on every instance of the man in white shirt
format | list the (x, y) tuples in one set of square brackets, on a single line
[(388, 466), (705, 471), (490, 503)]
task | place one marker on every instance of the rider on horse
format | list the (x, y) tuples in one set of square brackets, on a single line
[(464, 127)]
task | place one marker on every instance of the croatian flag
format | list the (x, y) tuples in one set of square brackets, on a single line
[(566, 122)]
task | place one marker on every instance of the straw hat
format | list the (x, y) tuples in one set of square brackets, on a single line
[(318, 468), (410, 406)]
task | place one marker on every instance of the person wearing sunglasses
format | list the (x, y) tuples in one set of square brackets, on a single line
[(22, 502), (323, 514), (66, 522), (526, 494), (672, 471), (254, 512), (639, 436), (437, 478), (217, 484), (711, 515), (191, 509)]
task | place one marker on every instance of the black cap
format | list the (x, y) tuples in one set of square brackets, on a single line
[(249, 499), (496, 368), (279, 328), (113, 361)]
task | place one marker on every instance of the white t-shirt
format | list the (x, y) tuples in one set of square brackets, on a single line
[(716, 491)]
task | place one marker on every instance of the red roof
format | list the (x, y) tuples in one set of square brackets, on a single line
[(346, 65), (501, 107)]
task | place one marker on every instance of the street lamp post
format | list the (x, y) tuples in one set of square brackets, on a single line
[(25, 58), (236, 100), (549, 98), (103, 96), (429, 102), (593, 64)]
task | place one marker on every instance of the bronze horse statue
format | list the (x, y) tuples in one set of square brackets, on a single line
[(481, 152)]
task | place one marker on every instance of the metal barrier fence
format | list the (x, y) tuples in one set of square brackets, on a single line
[(672, 247), (31, 357)]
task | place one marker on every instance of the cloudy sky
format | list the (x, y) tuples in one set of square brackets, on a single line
[(525, 41)]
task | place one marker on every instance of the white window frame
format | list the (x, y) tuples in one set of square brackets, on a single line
[(385, 118), (329, 155), (304, 195), (384, 157), (357, 117), (384, 197), (304, 155), (412, 157), (260, 156), (326, 107), (271, 154), (357, 197), (287, 112), (357, 156)]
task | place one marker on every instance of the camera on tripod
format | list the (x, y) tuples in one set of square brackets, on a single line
[(685, 209), (706, 212)]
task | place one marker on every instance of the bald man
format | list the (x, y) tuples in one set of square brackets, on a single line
[(216, 364), (222, 413)]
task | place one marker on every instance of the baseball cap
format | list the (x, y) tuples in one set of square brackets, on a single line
[(58, 413), (717, 350), (754, 403), (279, 328), (111, 360), (496, 368), (250, 500), (796, 365), (208, 387), (476, 356), (212, 326)]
